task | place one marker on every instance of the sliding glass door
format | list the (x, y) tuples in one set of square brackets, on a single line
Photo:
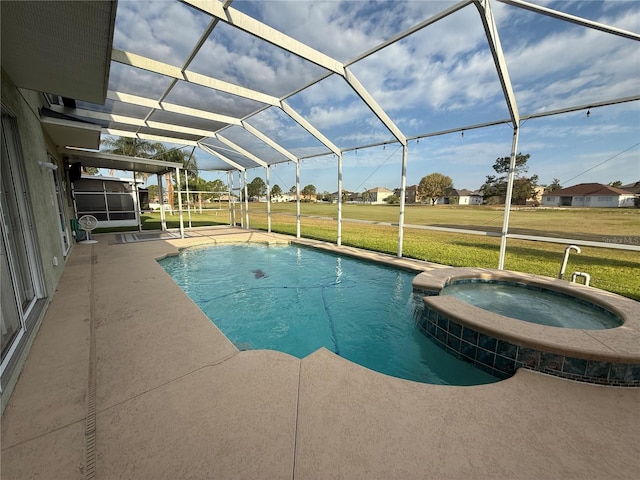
[(20, 274)]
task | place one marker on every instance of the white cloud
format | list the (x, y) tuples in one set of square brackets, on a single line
[(148, 28), (438, 78)]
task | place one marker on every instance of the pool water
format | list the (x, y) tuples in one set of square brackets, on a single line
[(534, 305), (297, 300)]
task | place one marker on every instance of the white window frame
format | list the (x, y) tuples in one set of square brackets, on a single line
[(14, 160)]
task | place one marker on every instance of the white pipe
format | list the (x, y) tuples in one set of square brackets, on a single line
[(586, 276), (339, 239), (507, 201), (180, 213), (163, 222), (138, 206), (403, 189), (186, 182), (232, 200), (565, 259), (266, 174), (246, 201), (297, 199), (49, 165), (240, 200)]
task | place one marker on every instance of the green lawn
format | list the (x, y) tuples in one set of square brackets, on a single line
[(613, 270)]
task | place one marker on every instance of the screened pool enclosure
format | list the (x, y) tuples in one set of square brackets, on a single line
[(285, 89)]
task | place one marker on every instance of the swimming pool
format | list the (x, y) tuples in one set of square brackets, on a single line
[(295, 300)]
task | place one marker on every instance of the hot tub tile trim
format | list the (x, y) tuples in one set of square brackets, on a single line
[(498, 346)]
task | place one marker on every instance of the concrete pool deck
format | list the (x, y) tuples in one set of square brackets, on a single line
[(128, 379)]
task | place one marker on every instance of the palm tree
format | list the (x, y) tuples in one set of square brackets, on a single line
[(190, 164), (177, 155), (131, 147), (136, 147)]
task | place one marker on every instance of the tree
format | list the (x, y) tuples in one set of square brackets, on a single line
[(308, 191), (216, 186), (434, 186), (131, 147), (366, 196), (495, 187), (191, 172), (616, 184), (276, 191), (153, 192), (293, 190), (553, 186), (256, 187), (392, 200), (175, 155)]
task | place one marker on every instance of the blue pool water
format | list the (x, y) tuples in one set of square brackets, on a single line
[(532, 304), (296, 300)]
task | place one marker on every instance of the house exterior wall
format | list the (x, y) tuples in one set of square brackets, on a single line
[(590, 201), (379, 196), (41, 197), (469, 200), (610, 201)]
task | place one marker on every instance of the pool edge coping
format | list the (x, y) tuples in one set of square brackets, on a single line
[(613, 345)]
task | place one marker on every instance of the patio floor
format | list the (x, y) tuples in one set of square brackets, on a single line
[(128, 379)]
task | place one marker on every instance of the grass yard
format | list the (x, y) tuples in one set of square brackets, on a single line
[(613, 270)]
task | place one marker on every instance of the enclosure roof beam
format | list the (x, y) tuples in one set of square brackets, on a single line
[(572, 18), (147, 136), (309, 128), (410, 31), (254, 131), (194, 52), (264, 32), (171, 107), (491, 31), (137, 122), (211, 151), (373, 105), (133, 60), (241, 150)]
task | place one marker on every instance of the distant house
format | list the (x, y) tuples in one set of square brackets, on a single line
[(225, 197), (378, 194), (411, 194), (536, 198), (589, 195), (283, 197), (464, 197)]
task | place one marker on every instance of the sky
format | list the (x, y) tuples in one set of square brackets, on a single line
[(441, 77)]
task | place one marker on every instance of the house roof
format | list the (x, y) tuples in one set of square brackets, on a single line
[(380, 189), (589, 189), (117, 162), (62, 48), (463, 192), (632, 187)]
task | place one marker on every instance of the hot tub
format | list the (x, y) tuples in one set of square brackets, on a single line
[(605, 350), (532, 303)]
